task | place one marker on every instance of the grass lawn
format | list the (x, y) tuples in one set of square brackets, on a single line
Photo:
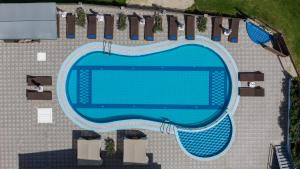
[(283, 15)]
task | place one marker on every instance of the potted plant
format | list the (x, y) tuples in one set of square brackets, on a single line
[(157, 23), (201, 23), (80, 17), (121, 23), (110, 147)]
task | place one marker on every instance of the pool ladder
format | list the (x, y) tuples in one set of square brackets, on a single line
[(107, 44), (166, 127)]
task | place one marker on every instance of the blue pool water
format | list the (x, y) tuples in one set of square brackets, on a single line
[(207, 143), (188, 86), (257, 34)]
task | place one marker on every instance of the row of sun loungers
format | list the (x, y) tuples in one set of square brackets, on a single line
[(133, 27), (134, 21), (38, 81), (91, 26)]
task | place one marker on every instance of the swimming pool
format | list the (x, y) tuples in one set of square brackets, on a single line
[(177, 85), (189, 86)]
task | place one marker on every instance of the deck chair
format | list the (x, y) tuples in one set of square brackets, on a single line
[(135, 152), (234, 26), (189, 27), (108, 26), (39, 80), (57, 25), (91, 26), (216, 28), (172, 27), (133, 27), (35, 95), (149, 28), (251, 76), (70, 21), (247, 91)]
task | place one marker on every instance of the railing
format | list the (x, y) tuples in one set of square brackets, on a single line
[(108, 45), (166, 127), (288, 126)]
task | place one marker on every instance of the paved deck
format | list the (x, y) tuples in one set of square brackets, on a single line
[(25, 144)]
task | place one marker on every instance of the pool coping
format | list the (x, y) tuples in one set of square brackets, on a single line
[(142, 50)]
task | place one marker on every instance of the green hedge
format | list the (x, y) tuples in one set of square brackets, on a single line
[(121, 23), (110, 147), (157, 23), (201, 23), (80, 19), (295, 122)]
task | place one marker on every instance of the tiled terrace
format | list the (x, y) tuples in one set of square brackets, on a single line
[(259, 121)]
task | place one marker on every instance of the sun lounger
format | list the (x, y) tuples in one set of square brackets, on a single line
[(70, 19), (234, 26), (88, 152), (133, 27), (149, 28), (251, 76), (108, 26), (38, 80), (172, 28), (91, 26), (189, 27), (216, 28), (35, 95), (247, 91), (57, 25), (135, 151)]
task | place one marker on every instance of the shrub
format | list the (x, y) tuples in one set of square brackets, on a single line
[(80, 19), (110, 146), (295, 122), (157, 23), (201, 23), (121, 23)]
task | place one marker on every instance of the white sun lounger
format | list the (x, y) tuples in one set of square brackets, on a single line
[(135, 151)]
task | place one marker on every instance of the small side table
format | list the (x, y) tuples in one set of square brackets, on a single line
[(252, 84)]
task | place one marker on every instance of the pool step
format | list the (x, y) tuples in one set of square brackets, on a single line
[(107, 47), (218, 83), (84, 86)]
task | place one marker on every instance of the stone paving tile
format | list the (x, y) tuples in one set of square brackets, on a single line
[(256, 119)]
